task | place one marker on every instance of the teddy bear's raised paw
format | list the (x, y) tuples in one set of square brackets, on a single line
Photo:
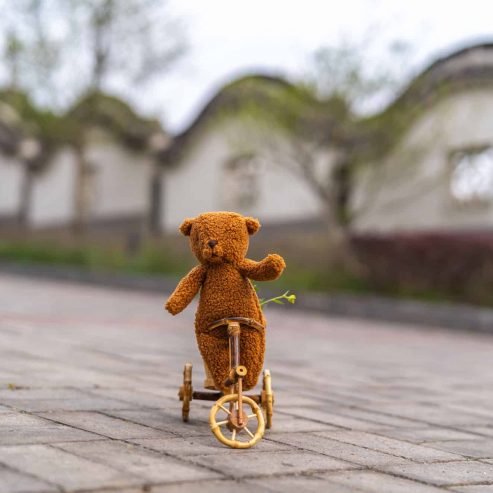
[(172, 307), (275, 263)]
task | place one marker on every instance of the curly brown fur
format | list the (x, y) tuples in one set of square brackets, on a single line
[(220, 240)]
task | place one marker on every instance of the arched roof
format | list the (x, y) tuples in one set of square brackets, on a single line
[(469, 66)]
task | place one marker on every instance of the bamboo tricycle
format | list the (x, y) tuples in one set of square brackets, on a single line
[(228, 413)]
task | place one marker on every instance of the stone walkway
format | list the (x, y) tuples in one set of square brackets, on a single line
[(88, 382)]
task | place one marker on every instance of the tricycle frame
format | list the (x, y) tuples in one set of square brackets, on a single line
[(232, 402)]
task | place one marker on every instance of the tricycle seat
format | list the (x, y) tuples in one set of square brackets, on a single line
[(241, 320)]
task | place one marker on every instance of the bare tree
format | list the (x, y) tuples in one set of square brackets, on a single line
[(136, 39), (313, 129), (70, 47), (12, 55)]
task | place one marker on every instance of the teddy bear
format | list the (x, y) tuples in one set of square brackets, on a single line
[(219, 241)]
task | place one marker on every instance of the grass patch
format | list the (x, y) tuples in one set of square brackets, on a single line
[(156, 259), (151, 259)]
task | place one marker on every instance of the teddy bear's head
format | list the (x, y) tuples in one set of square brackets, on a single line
[(217, 237)]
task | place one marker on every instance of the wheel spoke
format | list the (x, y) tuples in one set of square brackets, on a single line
[(249, 432), (233, 435), (221, 423), (251, 416), (225, 410)]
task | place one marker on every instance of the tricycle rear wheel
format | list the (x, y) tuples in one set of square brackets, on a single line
[(186, 391), (267, 399)]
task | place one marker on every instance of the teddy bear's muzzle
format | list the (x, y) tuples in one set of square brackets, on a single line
[(212, 252)]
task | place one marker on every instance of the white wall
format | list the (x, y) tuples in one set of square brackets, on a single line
[(410, 188), (120, 184), (53, 193), (11, 176), (196, 183), (122, 178)]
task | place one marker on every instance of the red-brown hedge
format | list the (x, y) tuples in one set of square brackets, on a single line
[(454, 265)]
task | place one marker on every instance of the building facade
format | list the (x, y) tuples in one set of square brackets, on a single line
[(424, 163)]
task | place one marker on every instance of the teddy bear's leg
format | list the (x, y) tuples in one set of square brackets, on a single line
[(208, 381), (252, 350), (215, 354)]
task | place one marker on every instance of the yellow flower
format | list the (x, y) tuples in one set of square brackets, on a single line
[(291, 298)]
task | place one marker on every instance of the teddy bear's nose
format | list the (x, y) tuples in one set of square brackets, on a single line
[(212, 243)]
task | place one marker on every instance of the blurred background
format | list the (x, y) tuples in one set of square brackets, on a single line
[(360, 134)]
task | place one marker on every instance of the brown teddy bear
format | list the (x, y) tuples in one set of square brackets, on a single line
[(219, 240)]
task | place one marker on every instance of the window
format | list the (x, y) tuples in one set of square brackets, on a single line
[(241, 182), (472, 175)]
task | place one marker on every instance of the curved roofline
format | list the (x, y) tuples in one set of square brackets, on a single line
[(264, 77), (462, 49), (424, 84), (439, 63), (438, 80), (224, 96)]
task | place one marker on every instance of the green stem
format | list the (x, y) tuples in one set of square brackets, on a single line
[(276, 299)]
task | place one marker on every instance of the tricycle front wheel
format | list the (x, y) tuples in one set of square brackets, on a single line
[(224, 417)]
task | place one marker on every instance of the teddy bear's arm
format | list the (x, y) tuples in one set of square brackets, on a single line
[(268, 269), (186, 290)]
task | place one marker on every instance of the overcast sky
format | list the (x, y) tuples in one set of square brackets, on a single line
[(230, 38)]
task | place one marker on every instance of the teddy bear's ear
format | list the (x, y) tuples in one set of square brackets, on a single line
[(253, 225), (186, 226)]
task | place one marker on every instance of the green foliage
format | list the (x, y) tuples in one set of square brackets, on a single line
[(151, 260), (278, 300), (54, 130), (50, 128), (154, 259), (274, 103), (114, 115)]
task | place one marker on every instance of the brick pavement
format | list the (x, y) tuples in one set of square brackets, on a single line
[(88, 382)]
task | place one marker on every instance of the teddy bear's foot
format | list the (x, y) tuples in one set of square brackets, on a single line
[(208, 381), (209, 384)]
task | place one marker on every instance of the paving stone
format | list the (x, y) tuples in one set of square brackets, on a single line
[(481, 430), (137, 397), (334, 420), (18, 428), (214, 486), (7, 395), (373, 418), (351, 453), (371, 481), (469, 448), (181, 447), (139, 462), (166, 421), (273, 463), (64, 469), (65, 400), (435, 415), (298, 484), (484, 488), (286, 399), (15, 482), (430, 434), (389, 445), (361, 402), (447, 473), (283, 423), (102, 424)]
